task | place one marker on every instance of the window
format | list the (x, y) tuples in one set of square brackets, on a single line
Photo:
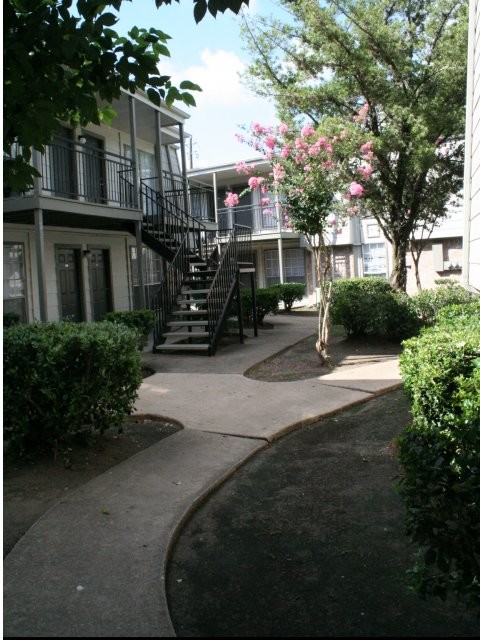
[(14, 280), (374, 259), (152, 274), (293, 266)]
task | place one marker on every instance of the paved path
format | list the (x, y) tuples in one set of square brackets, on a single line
[(80, 572)]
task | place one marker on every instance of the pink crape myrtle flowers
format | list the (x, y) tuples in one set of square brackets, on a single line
[(356, 189), (231, 200)]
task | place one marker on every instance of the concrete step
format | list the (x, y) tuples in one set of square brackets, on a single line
[(203, 347), (185, 334), (187, 323)]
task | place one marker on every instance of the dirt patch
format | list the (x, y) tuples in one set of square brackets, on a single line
[(301, 361), (31, 487)]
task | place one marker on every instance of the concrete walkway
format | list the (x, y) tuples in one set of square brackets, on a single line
[(94, 565)]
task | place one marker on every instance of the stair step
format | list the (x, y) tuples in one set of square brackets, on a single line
[(187, 323), (182, 347), (192, 301), (185, 334), (190, 292), (190, 312)]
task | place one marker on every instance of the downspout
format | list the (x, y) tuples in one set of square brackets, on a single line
[(184, 169), (279, 241), (158, 152)]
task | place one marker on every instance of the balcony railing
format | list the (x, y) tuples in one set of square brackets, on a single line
[(201, 196), (79, 172), (260, 219)]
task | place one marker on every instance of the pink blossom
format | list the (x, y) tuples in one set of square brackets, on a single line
[(243, 167), (362, 113), (366, 171), (268, 212), (270, 142), (285, 152), (264, 188), (283, 128), (352, 211), (307, 168), (328, 164), (356, 189), (368, 156), (265, 202), (254, 183), (240, 137), (278, 172), (300, 145), (329, 148), (257, 128), (307, 131), (231, 200), (368, 146)]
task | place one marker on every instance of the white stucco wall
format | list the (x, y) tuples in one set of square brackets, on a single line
[(471, 273)]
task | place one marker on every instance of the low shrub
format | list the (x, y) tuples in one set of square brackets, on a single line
[(440, 454), (63, 380), (10, 318), (142, 320), (290, 292), (369, 306), (428, 303), (266, 302)]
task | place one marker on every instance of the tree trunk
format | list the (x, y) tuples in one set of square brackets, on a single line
[(398, 277), (321, 253)]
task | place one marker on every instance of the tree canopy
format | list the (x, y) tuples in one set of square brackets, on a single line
[(59, 58), (402, 63)]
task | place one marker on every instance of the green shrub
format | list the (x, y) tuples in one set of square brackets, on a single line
[(266, 301), (369, 306), (10, 318), (440, 454), (64, 379), (290, 292), (142, 320), (427, 303)]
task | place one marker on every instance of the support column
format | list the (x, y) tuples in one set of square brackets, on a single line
[(133, 145), (278, 211), (184, 169), (140, 274), (158, 152), (40, 251)]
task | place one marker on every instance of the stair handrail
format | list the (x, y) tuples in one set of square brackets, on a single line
[(224, 283), (165, 297), (163, 217)]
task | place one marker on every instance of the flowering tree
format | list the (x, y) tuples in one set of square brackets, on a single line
[(311, 174)]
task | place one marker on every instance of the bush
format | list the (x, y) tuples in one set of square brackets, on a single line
[(267, 302), (62, 380), (10, 318), (369, 306), (290, 292), (142, 320), (428, 303), (440, 454)]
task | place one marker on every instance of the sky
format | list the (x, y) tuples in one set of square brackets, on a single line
[(211, 55)]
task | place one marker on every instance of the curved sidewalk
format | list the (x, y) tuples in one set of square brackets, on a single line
[(94, 565)]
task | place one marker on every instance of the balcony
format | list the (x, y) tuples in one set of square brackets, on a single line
[(75, 171), (262, 220)]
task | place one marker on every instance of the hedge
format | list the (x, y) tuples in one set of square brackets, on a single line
[(440, 454), (290, 292), (266, 302), (142, 320), (62, 380)]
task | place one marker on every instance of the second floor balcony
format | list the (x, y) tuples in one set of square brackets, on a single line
[(262, 220)]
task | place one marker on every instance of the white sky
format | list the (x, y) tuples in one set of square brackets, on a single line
[(209, 54)]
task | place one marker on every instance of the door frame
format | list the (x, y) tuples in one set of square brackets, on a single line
[(81, 287), (95, 247)]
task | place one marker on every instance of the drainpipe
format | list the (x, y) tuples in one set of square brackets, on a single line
[(140, 278)]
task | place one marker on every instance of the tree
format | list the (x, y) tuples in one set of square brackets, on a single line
[(309, 192), (58, 61), (404, 62)]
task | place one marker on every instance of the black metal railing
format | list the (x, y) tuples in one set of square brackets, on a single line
[(168, 223), (238, 250), (73, 170), (166, 297)]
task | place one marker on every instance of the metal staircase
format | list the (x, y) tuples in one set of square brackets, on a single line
[(194, 299)]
